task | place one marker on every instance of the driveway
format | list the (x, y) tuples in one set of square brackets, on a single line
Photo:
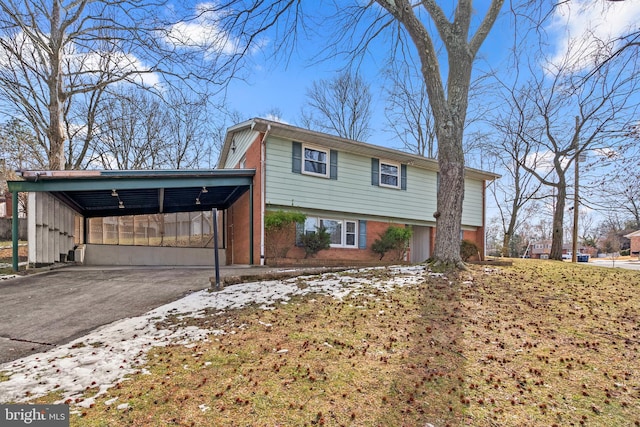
[(43, 310)]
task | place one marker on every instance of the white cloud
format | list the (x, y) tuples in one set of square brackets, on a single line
[(88, 65), (584, 26), (204, 32)]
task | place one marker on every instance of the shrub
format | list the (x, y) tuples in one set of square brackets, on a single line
[(625, 252), (316, 241), (395, 240), (280, 232), (468, 249)]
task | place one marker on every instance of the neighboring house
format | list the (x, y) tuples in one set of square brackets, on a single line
[(542, 248), (355, 190), (635, 242)]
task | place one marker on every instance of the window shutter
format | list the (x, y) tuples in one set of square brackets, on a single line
[(362, 234), (403, 177), (333, 167), (296, 157), (375, 172)]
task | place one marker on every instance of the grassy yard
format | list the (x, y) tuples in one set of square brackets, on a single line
[(540, 343), (6, 255)]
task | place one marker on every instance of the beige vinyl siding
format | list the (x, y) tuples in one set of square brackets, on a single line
[(243, 139), (352, 192), (472, 206)]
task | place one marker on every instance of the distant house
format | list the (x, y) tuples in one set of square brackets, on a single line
[(355, 190), (542, 248), (635, 242)]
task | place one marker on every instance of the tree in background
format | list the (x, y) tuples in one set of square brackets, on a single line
[(408, 112), (340, 106), (58, 57), (568, 115)]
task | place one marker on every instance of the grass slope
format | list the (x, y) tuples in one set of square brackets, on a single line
[(535, 344)]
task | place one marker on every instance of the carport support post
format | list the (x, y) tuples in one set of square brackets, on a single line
[(14, 229), (215, 247)]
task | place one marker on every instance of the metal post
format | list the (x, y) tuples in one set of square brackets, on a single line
[(14, 229), (215, 247)]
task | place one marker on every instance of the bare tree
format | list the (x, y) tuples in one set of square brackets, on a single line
[(340, 106), (53, 52), (407, 110), (413, 26), (139, 131), (568, 117)]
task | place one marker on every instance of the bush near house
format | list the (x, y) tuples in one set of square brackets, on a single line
[(394, 240), (315, 242), (468, 249), (280, 232)]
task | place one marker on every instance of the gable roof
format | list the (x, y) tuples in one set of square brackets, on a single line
[(298, 134), (633, 234)]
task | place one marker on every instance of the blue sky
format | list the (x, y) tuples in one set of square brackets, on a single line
[(271, 85)]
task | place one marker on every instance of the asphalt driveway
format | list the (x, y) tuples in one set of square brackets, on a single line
[(47, 309)]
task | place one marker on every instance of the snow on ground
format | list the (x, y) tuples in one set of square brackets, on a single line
[(106, 355)]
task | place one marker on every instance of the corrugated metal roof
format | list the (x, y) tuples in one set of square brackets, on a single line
[(118, 193)]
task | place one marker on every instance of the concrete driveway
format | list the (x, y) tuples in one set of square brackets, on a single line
[(47, 309)]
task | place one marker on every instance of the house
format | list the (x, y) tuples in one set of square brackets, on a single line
[(353, 189), (542, 248), (172, 217), (635, 243)]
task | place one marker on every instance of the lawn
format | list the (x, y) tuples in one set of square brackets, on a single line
[(539, 343)]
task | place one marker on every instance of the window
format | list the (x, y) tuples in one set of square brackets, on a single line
[(389, 174), (315, 161), (343, 232)]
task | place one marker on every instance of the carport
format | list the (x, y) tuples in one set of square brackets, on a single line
[(92, 194)]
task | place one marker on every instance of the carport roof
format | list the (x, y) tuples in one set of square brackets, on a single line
[(118, 193)]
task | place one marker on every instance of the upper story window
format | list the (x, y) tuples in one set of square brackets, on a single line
[(389, 174), (315, 161), (310, 160)]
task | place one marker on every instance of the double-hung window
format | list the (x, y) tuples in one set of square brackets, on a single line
[(389, 174), (315, 161)]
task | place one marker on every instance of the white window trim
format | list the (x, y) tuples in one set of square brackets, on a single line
[(328, 162), (397, 165), (343, 237)]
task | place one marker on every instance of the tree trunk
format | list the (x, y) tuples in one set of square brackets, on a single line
[(56, 128), (448, 224), (558, 222), (506, 241)]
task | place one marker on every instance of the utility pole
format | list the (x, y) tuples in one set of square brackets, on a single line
[(574, 253)]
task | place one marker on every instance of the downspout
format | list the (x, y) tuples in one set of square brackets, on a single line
[(263, 179)]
